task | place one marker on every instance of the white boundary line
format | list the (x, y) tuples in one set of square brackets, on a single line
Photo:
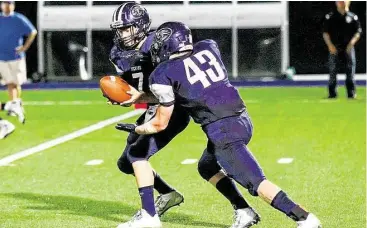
[(43, 146)]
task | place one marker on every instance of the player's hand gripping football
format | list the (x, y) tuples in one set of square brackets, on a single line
[(125, 127), (135, 95)]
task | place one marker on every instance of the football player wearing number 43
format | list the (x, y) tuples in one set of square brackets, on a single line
[(131, 57), (194, 77)]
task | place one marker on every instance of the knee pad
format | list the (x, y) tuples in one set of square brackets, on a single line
[(208, 166), (124, 165)]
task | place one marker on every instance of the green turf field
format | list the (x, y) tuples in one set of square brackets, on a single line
[(327, 140)]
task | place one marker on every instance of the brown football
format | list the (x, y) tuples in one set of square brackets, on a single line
[(114, 88)]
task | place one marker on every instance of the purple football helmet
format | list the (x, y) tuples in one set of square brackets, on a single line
[(130, 23), (170, 38)]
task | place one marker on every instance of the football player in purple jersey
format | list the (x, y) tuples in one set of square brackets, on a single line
[(131, 57), (195, 78)]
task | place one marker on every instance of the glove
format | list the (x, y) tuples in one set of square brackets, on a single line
[(125, 127)]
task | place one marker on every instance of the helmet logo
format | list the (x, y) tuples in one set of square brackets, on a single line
[(163, 34), (137, 11)]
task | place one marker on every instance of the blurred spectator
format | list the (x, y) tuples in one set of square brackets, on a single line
[(342, 30), (13, 27)]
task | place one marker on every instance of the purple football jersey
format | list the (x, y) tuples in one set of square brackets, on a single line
[(134, 66), (198, 82)]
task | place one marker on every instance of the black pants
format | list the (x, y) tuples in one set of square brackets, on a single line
[(350, 71)]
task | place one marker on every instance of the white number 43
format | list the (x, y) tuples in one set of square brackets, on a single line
[(200, 75)]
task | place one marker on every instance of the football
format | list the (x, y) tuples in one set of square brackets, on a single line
[(114, 88)]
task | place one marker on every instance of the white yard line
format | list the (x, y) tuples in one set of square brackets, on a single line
[(94, 162), (189, 161), (285, 160), (46, 145)]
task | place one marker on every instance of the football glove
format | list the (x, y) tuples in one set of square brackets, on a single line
[(125, 127)]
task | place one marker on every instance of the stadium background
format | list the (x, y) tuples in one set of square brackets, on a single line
[(259, 47), (323, 140)]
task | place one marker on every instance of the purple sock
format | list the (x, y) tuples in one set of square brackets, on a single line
[(147, 199), (284, 204)]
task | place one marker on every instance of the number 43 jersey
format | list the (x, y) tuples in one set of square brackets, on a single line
[(199, 83)]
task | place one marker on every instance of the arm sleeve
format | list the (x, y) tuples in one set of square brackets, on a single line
[(26, 26), (161, 87)]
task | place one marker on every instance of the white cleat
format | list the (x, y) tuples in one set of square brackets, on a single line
[(311, 222), (142, 220), (15, 108), (166, 201), (6, 128), (245, 218)]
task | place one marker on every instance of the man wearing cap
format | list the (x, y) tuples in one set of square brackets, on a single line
[(13, 27), (342, 30)]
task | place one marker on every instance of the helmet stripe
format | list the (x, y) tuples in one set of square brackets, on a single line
[(117, 12), (121, 12)]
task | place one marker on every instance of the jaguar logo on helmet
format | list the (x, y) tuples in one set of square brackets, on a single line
[(137, 11), (163, 34)]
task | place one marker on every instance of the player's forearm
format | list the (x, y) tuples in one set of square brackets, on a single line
[(355, 39), (150, 127), (327, 39), (30, 39), (158, 123)]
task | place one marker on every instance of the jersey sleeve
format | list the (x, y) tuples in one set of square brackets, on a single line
[(26, 26), (211, 44), (161, 86), (357, 24), (326, 23)]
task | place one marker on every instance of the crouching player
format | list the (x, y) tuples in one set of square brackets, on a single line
[(194, 77)]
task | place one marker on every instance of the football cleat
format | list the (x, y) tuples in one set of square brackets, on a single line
[(311, 222), (166, 201), (142, 220), (15, 108), (6, 128), (244, 218)]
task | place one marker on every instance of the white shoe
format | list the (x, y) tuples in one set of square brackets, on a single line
[(166, 201), (6, 128), (15, 108), (311, 222), (142, 220), (244, 218)]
